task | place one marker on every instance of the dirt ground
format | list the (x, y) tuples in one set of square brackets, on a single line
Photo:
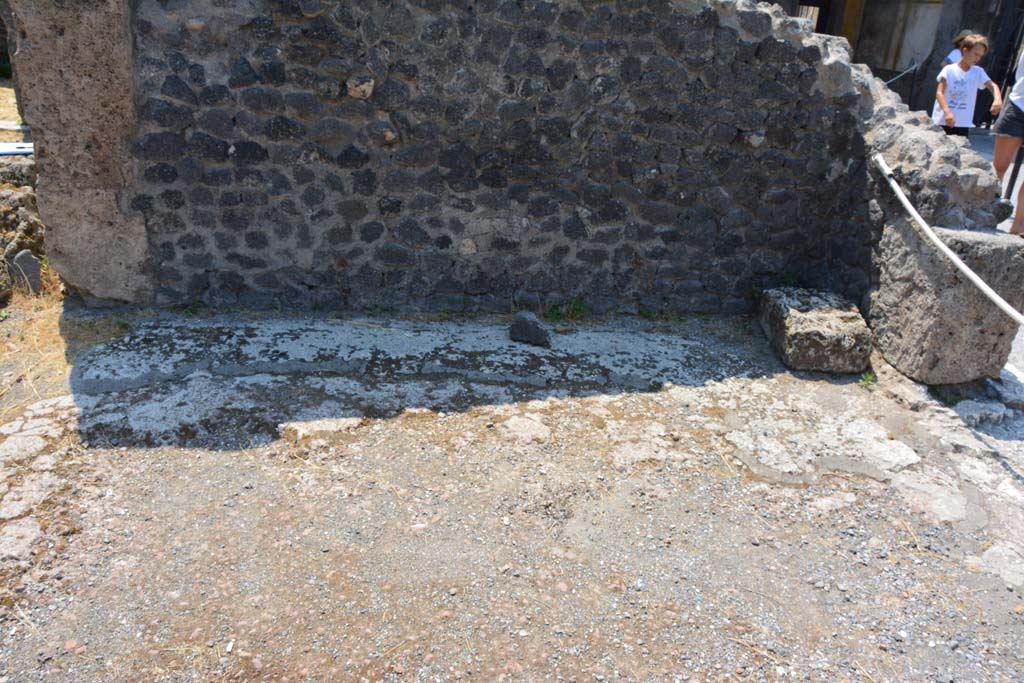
[(9, 112), (450, 512)]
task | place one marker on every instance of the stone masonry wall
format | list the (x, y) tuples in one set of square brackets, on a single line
[(949, 183), (928, 320), (443, 154), (454, 154)]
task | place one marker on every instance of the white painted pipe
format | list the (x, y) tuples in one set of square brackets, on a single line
[(930, 234)]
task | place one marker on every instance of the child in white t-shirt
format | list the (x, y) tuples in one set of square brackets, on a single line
[(958, 88)]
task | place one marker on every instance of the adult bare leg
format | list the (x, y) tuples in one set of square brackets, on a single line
[(1002, 156), (1005, 149), (1018, 215)]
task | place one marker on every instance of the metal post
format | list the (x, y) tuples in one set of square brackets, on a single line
[(1016, 171)]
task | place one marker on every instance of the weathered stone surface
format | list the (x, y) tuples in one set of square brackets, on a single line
[(974, 412), (18, 170), (25, 272), (104, 269), (21, 446), (527, 429), (360, 87), (1003, 559), (20, 227), (527, 327), (814, 330), (1009, 388), (950, 184), (82, 129), (301, 430), (17, 538), (6, 287), (929, 321), (26, 495)]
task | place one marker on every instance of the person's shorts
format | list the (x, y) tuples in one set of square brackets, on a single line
[(1010, 121)]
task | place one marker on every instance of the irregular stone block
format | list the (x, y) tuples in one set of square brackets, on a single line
[(1003, 559), (360, 87), (83, 130), (975, 413), (527, 328), (929, 321), (1009, 388), (814, 330), (300, 430), (26, 272), (5, 287), (18, 171)]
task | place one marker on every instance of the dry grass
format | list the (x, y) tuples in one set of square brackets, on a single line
[(9, 112), (14, 136), (39, 344), (8, 101)]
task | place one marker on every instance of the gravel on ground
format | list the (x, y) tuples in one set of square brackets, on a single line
[(421, 500)]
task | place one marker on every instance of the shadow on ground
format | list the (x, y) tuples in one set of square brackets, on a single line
[(225, 382)]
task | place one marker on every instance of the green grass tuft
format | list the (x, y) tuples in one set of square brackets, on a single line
[(944, 396), (575, 309)]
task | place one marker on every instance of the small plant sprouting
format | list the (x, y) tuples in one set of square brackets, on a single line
[(191, 310), (945, 396), (555, 314), (867, 379), (4, 315), (575, 309), (648, 314)]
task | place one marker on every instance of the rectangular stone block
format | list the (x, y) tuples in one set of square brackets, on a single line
[(814, 330), (929, 320)]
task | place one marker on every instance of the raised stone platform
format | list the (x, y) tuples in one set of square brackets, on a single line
[(239, 380)]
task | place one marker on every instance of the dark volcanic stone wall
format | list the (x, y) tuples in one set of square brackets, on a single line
[(451, 154)]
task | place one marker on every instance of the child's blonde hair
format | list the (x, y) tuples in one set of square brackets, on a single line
[(974, 40)]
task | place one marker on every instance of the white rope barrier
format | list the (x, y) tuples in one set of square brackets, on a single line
[(912, 67), (934, 239)]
